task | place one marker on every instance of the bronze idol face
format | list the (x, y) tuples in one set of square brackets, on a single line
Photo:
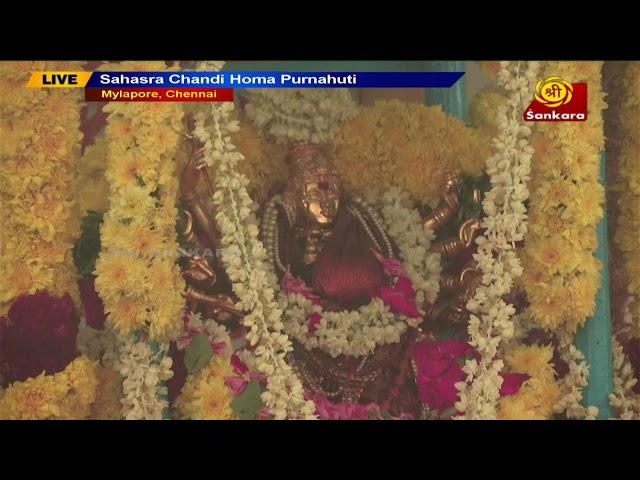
[(321, 200)]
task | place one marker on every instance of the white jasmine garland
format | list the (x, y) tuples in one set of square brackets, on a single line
[(623, 399), (359, 332), (144, 394), (504, 224), (244, 259), (574, 381), (300, 115)]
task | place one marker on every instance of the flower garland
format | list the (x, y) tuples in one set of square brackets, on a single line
[(407, 145), (623, 399), (38, 159), (504, 225), (628, 185), (359, 332), (300, 115), (66, 395), (244, 258), (561, 274), (137, 276)]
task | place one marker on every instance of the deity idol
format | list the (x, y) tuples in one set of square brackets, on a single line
[(332, 246)]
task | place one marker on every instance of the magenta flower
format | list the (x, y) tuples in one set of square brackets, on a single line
[(238, 365), (439, 369), (511, 383), (237, 384), (439, 366), (38, 335), (401, 298), (314, 322), (327, 410), (295, 285)]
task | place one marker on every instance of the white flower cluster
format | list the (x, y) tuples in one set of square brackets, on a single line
[(144, 371), (358, 332), (504, 224), (574, 381), (349, 332), (623, 399), (244, 259), (413, 238), (300, 115)]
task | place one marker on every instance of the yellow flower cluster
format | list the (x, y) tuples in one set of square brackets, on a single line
[(93, 186), (67, 395), (205, 395), (627, 236), (483, 111), (138, 278), (539, 394), (39, 148), (561, 274), (408, 145)]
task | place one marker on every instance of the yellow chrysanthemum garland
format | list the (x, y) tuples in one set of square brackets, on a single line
[(408, 145), (67, 395), (561, 274), (39, 150), (627, 236), (137, 276)]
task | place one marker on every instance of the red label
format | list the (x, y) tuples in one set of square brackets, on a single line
[(158, 94), (572, 108)]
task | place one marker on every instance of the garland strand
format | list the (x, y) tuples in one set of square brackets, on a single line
[(137, 276), (504, 225), (244, 258), (40, 146), (561, 275)]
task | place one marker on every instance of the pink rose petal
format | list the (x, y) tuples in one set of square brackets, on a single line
[(314, 322), (236, 385), (238, 365), (512, 382), (391, 266)]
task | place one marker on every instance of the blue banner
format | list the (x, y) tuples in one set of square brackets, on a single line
[(274, 79)]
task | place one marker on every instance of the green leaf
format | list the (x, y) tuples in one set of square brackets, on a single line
[(87, 248), (198, 353), (248, 404)]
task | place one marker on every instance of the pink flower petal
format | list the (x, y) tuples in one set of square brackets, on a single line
[(238, 365), (314, 322), (218, 347), (512, 382), (295, 285), (236, 385), (391, 266), (405, 287), (399, 302)]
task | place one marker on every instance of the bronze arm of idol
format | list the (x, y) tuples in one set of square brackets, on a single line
[(207, 286), (460, 275)]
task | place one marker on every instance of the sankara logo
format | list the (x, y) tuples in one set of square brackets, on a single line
[(557, 100)]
